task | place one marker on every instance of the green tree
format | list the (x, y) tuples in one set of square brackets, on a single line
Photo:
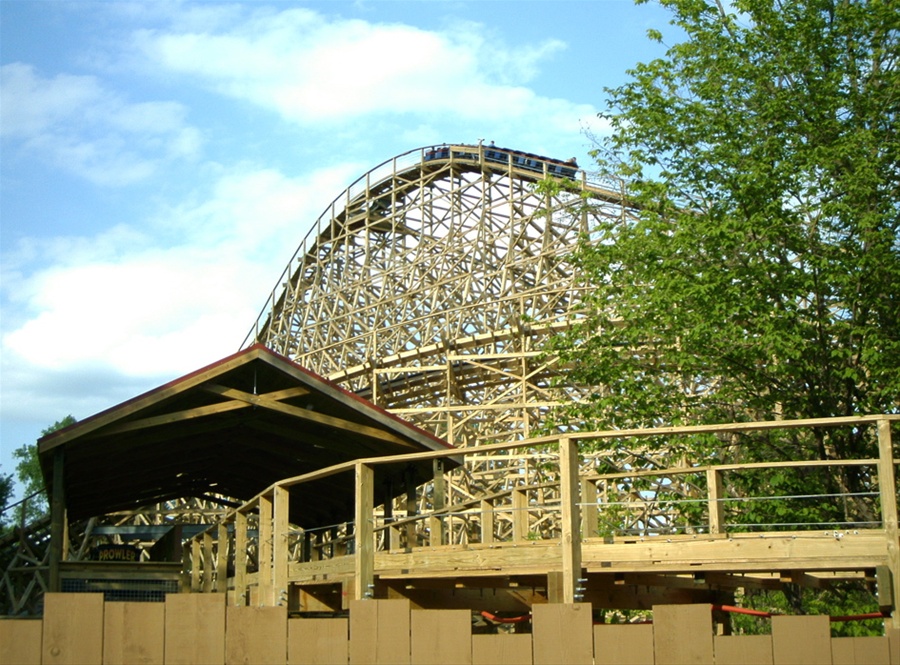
[(29, 474), (6, 490), (758, 273)]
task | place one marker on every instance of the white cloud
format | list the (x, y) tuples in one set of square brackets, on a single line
[(120, 302), (309, 69), (77, 125)]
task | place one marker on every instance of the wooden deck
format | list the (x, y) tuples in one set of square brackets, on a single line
[(447, 546)]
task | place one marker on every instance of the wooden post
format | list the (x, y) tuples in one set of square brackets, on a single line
[(208, 566), (57, 519), (436, 523), (571, 518), (887, 487), (222, 559), (280, 545), (591, 527), (196, 565), (364, 552), (240, 558), (520, 515), (410, 508), (264, 551), (714, 495), (487, 522)]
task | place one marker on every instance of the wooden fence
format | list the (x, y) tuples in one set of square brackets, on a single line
[(202, 629)]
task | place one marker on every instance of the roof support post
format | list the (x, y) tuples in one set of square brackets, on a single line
[(887, 486), (280, 545), (265, 551), (57, 520), (240, 558), (571, 518), (364, 533)]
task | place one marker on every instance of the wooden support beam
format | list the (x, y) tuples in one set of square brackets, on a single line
[(240, 558), (57, 520), (411, 509), (590, 516), (264, 551), (281, 526), (439, 491), (222, 559), (487, 521), (196, 565), (887, 486), (520, 515), (208, 566), (571, 518), (715, 494), (364, 533)]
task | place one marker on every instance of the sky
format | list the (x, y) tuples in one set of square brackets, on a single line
[(160, 161)]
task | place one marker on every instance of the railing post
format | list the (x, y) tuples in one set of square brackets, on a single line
[(264, 551), (714, 496), (208, 565), (240, 558), (487, 522), (520, 515), (196, 558), (591, 528), (280, 545), (222, 559), (436, 523), (364, 550), (887, 486), (571, 517)]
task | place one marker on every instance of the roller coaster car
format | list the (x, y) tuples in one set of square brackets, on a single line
[(523, 160)]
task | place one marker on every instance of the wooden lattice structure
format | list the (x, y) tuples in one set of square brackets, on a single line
[(430, 284)]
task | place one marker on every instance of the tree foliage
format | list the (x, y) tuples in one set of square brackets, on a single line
[(757, 272), (761, 276), (29, 474)]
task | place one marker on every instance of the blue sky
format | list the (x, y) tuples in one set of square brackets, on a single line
[(162, 160)]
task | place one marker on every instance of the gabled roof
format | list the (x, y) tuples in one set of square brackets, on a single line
[(232, 429)]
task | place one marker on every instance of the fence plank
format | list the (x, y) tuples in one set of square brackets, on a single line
[(743, 649), (134, 633), (562, 633), (195, 628), (501, 650), (683, 633), (623, 644), (813, 649), (318, 641), (255, 635), (860, 650), (379, 632), (20, 641), (73, 629), (441, 636)]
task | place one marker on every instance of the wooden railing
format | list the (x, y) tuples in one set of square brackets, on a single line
[(560, 525)]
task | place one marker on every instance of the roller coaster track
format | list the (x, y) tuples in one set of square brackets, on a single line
[(430, 285)]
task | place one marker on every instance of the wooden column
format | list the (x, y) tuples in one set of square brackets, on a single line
[(222, 559), (208, 566), (487, 521), (571, 517), (887, 486), (364, 552), (265, 551), (714, 494), (240, 558), (439, 490), (57, 519), (196, 565), (591, 528), (519, 515), (411, 509), (280, 545)]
